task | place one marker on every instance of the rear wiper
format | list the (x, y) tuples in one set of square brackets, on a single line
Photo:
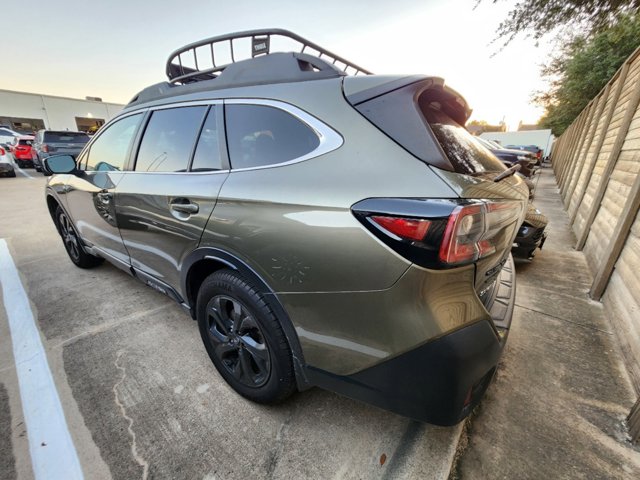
[(508, 172)]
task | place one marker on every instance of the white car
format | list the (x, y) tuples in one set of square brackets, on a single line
[(6, 164), (7, 135)]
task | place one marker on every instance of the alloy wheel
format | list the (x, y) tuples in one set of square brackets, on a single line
[(69, 236), (238, 341)]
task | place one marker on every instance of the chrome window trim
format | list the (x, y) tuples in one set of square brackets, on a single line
[(330, 140)]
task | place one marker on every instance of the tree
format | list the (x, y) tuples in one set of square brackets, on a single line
[(536, 18), (582, 68)]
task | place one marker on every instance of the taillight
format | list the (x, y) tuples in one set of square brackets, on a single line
[(442, 233), (45, 148), (2, 152), (473, 231), (407, 228)]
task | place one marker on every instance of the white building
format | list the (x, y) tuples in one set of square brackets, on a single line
[(541, 138), (31, 111)]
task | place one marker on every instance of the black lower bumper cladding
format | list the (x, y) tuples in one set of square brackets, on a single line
[(441, 381)]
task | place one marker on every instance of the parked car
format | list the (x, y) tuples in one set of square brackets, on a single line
[(48, 142), (21, 151), (510, 158), (6, 165), (7, 135), (323, 229), (533, 149), (531, 234)]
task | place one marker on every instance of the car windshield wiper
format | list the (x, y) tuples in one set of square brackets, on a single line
[(508, 172)]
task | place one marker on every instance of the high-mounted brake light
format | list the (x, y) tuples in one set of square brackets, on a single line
[(407, 228)]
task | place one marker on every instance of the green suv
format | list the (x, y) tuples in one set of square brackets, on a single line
[(325, 226)]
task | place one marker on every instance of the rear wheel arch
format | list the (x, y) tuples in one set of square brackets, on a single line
[(202, 262)]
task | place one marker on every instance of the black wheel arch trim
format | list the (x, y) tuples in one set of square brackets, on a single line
[(239, 265)]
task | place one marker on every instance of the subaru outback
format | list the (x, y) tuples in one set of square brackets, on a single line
[(325, 226)]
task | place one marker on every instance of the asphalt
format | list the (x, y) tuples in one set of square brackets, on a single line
[(142, 399), (561, 395)]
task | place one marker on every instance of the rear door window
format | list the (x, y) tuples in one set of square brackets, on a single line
[(169, 139), (207, 155), (260, 135)]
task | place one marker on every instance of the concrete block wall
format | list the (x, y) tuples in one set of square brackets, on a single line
[(597, 167)]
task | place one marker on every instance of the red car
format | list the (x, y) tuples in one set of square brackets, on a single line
[(22, 151)]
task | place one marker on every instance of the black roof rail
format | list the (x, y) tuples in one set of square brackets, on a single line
[(197, 61)]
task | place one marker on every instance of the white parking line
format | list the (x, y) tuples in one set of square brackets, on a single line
[(53, 454), (22, 172)]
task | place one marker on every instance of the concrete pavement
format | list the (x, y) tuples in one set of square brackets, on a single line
[(557, 407)]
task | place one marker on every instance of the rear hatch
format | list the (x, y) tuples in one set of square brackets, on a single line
[(70, 143), (426, 118), (23, 147)]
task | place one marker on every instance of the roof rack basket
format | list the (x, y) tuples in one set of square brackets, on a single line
[(197, 61)]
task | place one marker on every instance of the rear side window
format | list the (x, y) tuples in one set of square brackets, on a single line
[(465, 153), (65, 137), (259, 135), (169, 139), (110, 150)]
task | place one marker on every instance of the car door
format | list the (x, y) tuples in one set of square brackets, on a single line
[(89, 195), (164, 204)]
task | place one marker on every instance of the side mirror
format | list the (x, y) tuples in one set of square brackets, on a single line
[(59, 164)]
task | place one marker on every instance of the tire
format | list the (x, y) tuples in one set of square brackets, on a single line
[(72, 243), (244, 339), (12, 173)]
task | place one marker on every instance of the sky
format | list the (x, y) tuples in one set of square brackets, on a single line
[(114, 48)]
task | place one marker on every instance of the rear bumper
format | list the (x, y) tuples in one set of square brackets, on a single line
[(527, 241), (6, 167), (440, 381)]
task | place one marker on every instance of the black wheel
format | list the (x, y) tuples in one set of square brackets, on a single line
[(12, 173), (72, 243), (244, 339)]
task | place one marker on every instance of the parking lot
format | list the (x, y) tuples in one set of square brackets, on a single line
[(142, 399)]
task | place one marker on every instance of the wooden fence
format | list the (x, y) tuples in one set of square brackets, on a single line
[(597, 166)]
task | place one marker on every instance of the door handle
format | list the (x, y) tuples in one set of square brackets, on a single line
[(182, 205)]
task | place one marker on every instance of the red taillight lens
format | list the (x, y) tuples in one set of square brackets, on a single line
[(407, 228), (45, 148), (2, 152)]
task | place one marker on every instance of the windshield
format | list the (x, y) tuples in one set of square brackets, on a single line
[(465, 153)]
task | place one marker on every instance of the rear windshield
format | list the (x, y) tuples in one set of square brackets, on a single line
[(25, 142), (65, 137), (465, 153)]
